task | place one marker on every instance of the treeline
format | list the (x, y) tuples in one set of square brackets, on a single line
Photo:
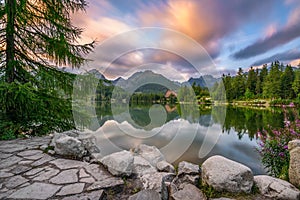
[(279, 82)]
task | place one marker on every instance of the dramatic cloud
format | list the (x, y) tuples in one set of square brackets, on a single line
[(285, 56), (290, 32), (205, 21)]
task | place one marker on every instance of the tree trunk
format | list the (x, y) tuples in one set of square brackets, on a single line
[(10, 40)]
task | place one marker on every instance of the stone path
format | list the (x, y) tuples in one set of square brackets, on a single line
[(28, 173)]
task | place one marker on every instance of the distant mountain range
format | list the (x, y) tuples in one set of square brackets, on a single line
[(150, 82)]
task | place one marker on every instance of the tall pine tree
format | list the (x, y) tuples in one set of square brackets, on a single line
[(35, 38)]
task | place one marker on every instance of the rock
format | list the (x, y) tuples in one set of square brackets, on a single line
[(276, 188), (46, 158), (150, 153), (69, 146), (15, 181), (154, 181), (36, 191), (164, 166), (67, 164), (68, 176), (75, 188), (119, 163), (114, 183), (189, 192), (226, 175), (188, 168), (145, 195), (87, 180), (5, 163), (19, 169), (97, 172), (44, 147), (83, 174), (294, 170), (29, 153), (94, 195), (142, 166), (74, 143), (45, 175)]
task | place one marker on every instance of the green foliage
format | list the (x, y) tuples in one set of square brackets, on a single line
[(274, 146), (34, 93)]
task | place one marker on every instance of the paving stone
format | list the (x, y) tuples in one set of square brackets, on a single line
[(33, 171), (94, 195), (98, 173), (68, 164), (25, 162), (9, 161), (46, 158), (87, 180), (5, 174), (5, 194), (15, 181), (111, 183), (11, 148), (19, 169), (71, 189), (47, 174), (34, 157), (68, 176), (83, 174), (36, 191), (4, 155), (29, 153)]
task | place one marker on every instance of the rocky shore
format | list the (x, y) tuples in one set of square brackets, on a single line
[(69, 166)]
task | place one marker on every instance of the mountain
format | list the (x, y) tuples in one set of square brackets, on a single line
[(203, 81), (97, 74), (147, 82)]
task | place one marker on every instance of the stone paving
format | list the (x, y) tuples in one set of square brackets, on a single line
[(28, 173)]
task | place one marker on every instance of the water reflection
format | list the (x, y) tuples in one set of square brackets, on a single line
[(183, 124)]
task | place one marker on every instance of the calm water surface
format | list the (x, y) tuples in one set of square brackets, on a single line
[(182, 134)]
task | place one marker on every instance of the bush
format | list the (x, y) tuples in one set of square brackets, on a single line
[(273, 146)]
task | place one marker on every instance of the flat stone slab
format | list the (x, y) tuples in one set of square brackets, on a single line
[(15, 181), (68, 176), (111, 183), (45, 175), (46, 158), (67, 164), (9, 161), (94, 195), (36, 191), (75, 188), (29, 153)]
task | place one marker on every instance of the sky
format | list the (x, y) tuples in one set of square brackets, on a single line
[(189, 38)]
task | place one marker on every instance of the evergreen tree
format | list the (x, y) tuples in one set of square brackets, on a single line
[(272, 83), (36, 37), (287, 80), (296, 84), (238, 84), (251, 81)]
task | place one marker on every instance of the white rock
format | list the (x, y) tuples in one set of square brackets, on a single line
[(276, 188), (187, 168), (150, 153), (154, 181), (119, 163), (69, 146), (142, 166), (164, 166), (226, 175), (294, 170), (189, 192)]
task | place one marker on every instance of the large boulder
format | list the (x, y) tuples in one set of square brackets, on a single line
[(275, 188), (189, 192), (150, 153), (226, 175), (69, 146), (294, 170), (119, 163), (142, 166), (74, 143)]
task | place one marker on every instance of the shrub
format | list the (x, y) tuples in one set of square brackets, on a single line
[(273, 145)]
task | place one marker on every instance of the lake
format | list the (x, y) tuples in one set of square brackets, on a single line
[(182, 132)]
